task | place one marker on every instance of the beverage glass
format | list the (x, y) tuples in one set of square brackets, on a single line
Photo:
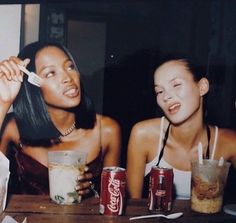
[(207, 185), (64, 168)]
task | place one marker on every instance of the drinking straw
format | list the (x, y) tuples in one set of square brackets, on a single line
[(200, 160), (221, 161), (214, 144), (161, 135)]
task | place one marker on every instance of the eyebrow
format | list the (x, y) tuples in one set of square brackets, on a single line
[(173, 79), (46, 67), (50, 66)]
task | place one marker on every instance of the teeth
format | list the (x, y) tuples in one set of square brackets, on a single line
[(71, 91)]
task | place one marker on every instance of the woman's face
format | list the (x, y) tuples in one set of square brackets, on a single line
[(61, 82), (177, 93)]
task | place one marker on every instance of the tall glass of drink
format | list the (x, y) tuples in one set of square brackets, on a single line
[(64, 168)]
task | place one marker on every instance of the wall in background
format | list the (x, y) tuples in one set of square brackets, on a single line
[(10, 24), (136, 35), (87, 42), (15, 30), (31, 23)]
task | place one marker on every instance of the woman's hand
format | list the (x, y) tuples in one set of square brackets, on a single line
[(10, 79), (84, 183)]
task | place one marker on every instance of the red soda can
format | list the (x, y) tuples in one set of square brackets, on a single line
[(113, 188), (160, 189)]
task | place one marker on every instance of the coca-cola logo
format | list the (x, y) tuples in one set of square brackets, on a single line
[(115, 194), (160, 193)]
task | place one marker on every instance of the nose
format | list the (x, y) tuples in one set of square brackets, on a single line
[(66, 78), (167, 95)]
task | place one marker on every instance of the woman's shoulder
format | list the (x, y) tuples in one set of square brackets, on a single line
[(226, 145), (107, 123), (147, 127), (9, 131), (110, 132), (144, 137), (9, 122), (227, 135), (150, 124)]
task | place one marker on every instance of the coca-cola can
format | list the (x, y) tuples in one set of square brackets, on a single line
[(160, 189), (113, 189)]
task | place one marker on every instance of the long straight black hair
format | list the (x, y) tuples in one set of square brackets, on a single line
[(32, 117)]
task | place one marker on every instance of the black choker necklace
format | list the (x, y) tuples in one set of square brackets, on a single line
[(68, 131)]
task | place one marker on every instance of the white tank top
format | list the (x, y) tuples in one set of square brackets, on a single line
[(182, 179)]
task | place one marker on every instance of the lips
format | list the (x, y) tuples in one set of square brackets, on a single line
[(174, 108), (71, 91)]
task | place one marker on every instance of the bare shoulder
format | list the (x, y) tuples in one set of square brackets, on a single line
[(108, 124), (143, 139), (147, 128), (9, 126), (111, 136), (227, 137), (9, 132), (144, 136), (226, 145)]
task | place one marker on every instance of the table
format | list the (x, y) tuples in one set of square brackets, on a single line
[(40, 209)]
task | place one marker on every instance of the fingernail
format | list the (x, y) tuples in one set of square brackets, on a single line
[(80, 177), (86, 169), (26, 61)]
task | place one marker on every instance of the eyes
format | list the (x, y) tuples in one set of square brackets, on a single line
[(52, 71), (175, 85)]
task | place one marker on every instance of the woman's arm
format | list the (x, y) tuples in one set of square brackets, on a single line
[(111, 141), (9, 133), (3, 111), (232, 148), (226, 146), (10, 82), (136, 161)]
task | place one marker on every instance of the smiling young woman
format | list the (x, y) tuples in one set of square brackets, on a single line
[(171, 141), (59, 115)]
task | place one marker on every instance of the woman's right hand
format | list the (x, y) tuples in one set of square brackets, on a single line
[(10, 79)]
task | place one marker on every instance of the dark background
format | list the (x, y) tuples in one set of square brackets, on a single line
[(137, 34)]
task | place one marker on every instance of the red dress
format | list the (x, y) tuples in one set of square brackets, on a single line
[(33, 176)]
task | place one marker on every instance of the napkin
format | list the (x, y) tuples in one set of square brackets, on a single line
[(4, 178), (9, 219)]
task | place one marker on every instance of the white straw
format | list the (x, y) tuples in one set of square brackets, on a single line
[(200, 153), (221, 161), (215, 142), (161, 135)]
